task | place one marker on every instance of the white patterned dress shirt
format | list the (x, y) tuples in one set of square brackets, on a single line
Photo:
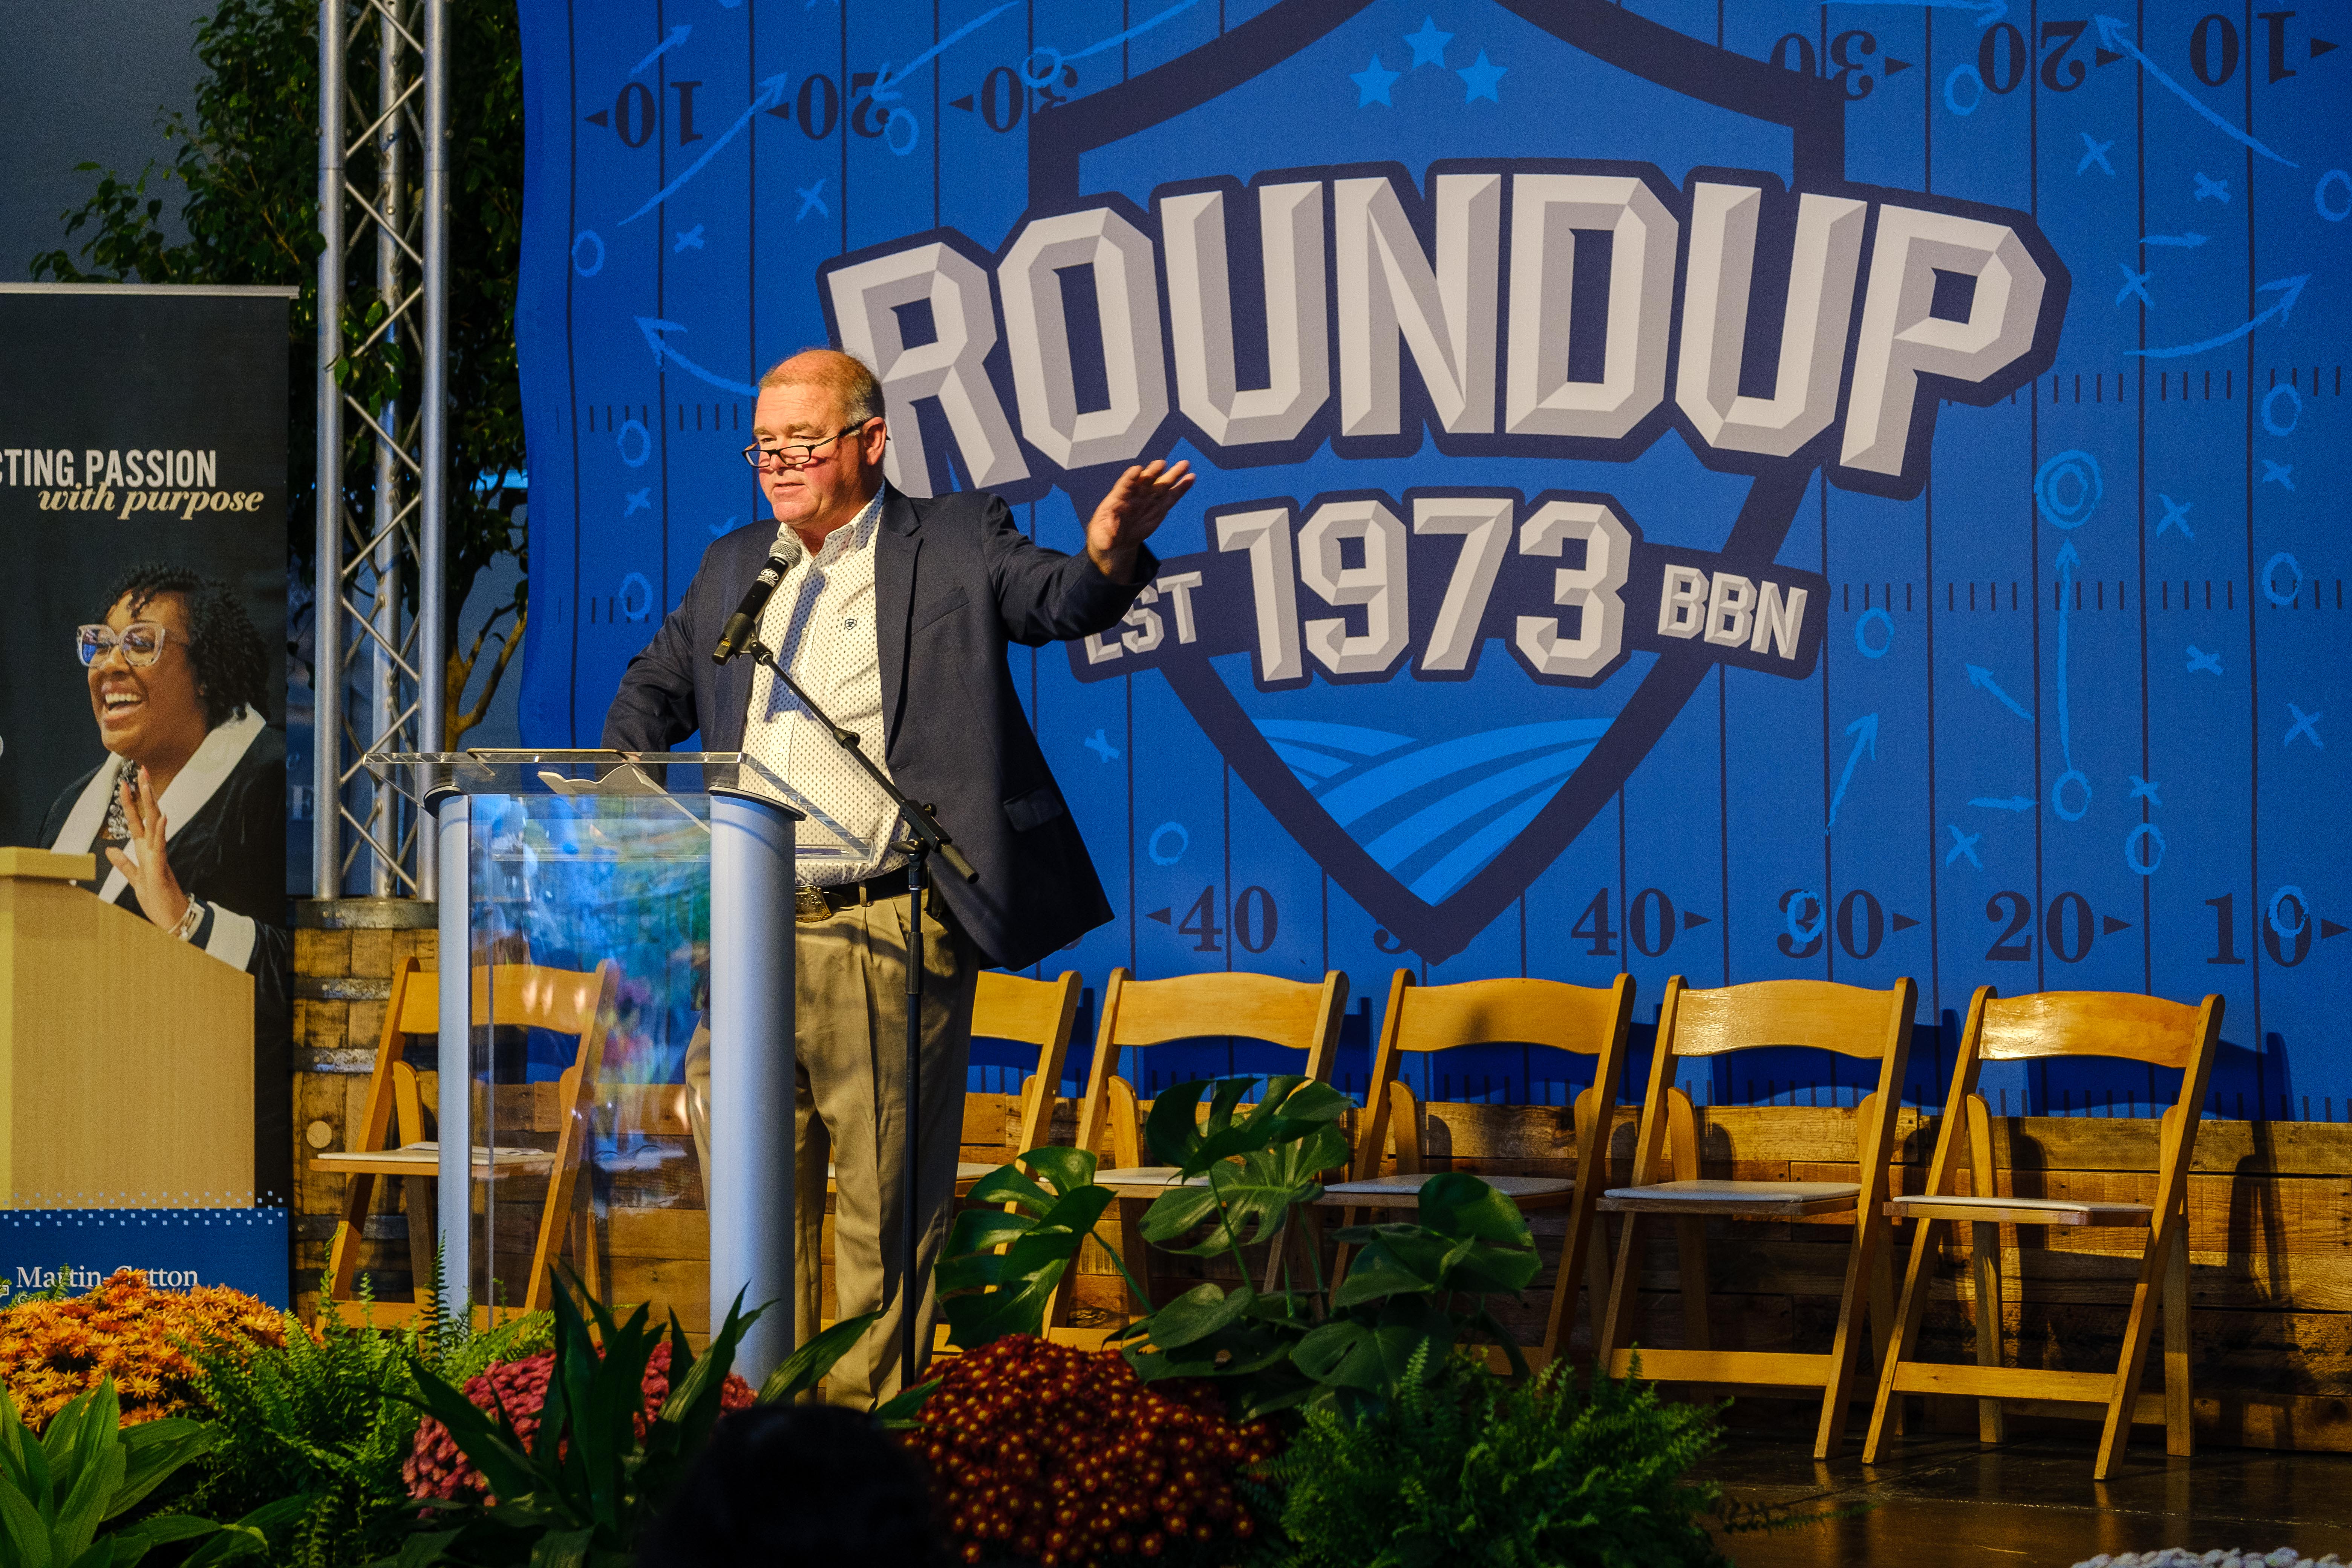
[(820, 626)]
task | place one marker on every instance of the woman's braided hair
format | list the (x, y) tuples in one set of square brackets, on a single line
[(232, 667)]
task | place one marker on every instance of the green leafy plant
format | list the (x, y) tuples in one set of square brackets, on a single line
[(597, 1468), (324, 1422), (1418, 1285), (58, 1490), (1465, 1468)]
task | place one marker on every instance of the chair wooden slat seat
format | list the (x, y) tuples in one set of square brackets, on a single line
[(1402, 1190), (424, 1158), (1767, 1200), (1867, 1026), (2168, 1035), (967, 1172), (2018, 1211), (1150, 1179)]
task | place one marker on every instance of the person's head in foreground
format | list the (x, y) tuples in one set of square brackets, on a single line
[(792, 1484)]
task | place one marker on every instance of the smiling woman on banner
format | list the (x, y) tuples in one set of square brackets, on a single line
[(189, 807)]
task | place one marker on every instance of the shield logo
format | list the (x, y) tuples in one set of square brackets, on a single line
[(1431, 774)]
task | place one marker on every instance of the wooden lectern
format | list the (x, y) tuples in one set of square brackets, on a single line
[(126, 1056)]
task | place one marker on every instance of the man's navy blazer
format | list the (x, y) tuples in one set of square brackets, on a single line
[(954, 582)]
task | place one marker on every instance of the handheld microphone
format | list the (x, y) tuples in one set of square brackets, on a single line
[(745, 622)]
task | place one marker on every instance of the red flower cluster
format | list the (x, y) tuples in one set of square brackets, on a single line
[(436, 1467), (1058, 1456)]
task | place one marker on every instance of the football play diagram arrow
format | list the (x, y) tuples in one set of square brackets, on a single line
[(2113, 35), (885, 81), (1865, 731), (2293, 291), (2014, 803), (2189, 241), (654, 330), (771, 92), (1981, 679), (678, 36)]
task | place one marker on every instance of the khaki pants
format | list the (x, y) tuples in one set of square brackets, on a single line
[(849, 1110)]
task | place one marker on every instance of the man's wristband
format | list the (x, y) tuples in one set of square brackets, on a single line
[(193, 918)]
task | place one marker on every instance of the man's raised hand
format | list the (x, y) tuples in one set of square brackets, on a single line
[(1137, 504)]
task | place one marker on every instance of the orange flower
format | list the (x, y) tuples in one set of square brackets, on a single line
[(52, 1351)]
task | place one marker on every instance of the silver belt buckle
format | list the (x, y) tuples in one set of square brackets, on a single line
[(809, 906)]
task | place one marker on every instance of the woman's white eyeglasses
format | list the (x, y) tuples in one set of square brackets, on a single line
[(142, 643)]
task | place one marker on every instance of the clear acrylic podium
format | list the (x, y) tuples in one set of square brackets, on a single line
[(677, 870)]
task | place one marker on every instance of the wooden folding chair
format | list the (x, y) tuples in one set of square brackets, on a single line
[(2025, 1028), (1865, 1024), (1041, 1013), (1297, 1015), (1548, 1013), (522, 996)]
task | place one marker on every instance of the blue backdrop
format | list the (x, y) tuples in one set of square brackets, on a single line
[(1749, 491)]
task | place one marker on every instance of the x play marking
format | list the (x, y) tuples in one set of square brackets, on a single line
[(2217, 189), (640, 500), (812, 197), (2143, 790), (2097, 154), (1099, 744), (2134, 283), (2278, 473), (688, 239), (1964, 843), (2199, 660), (2176, 515), (2305, 724)]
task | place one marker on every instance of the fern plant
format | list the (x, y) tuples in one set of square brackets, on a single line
[(1461, 1471), (328, 1419)]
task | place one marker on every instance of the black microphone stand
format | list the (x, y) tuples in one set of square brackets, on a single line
[(925, 838)]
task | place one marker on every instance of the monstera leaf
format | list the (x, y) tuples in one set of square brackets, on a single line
[(1241, 1336), (1289, 1109), (1001, 1267), (1249, 1197), (1469, 1238)]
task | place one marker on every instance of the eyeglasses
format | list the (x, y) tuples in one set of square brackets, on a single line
[(142, 643), (797, 454)]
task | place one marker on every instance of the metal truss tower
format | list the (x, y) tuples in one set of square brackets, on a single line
[(381, 638)]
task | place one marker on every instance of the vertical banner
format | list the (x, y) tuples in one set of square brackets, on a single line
[(137, 426), (1747, 491), (142, 617)]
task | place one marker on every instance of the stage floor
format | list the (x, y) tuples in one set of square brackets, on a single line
[(2032, 1501)]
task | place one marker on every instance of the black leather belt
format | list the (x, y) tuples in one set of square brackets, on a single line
[(812, 905)]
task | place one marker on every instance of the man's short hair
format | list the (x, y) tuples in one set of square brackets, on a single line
[(850, 380)]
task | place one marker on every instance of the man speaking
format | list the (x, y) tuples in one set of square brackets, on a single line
[(893, 617)]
